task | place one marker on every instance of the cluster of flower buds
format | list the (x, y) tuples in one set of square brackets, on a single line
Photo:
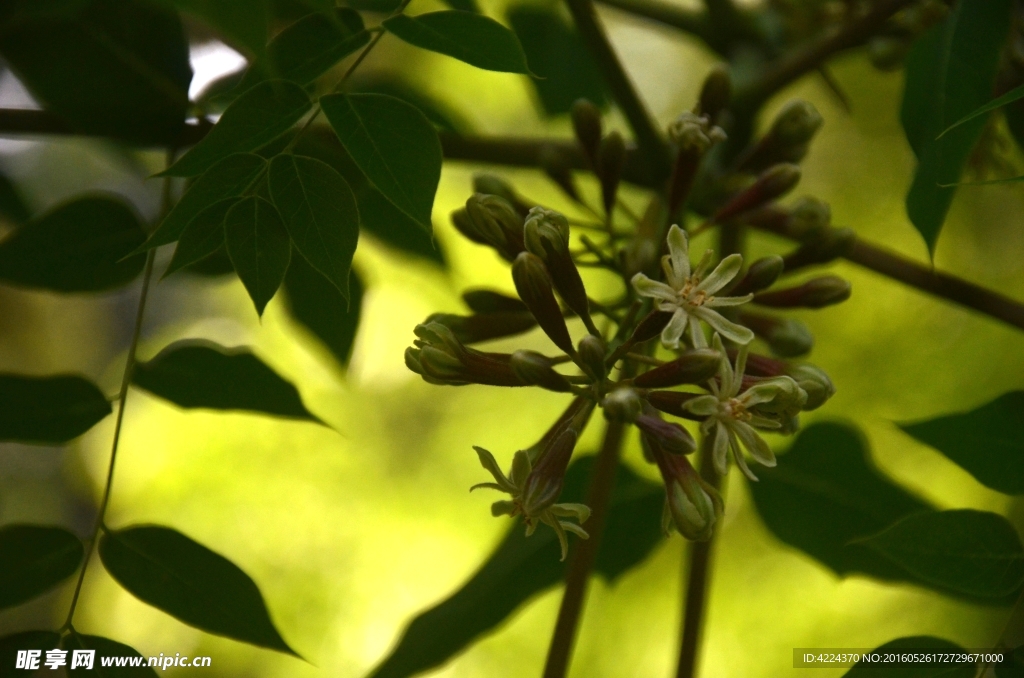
[(674, 358)]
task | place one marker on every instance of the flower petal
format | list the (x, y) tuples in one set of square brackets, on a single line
[(765, 423), (726, 381), (723, 274), (720, 448), (713, 302), (488, 461), (727, 328), (702, 265), (769, 390), (674, 330), (738, 455), (754, 443), (697, 337), (702, 406), (678, 263), (646, 287), (741, 363)]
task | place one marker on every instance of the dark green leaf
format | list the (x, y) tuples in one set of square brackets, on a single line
[(921, 644), (78, 247), (320, 213), (474, 38), (987, 442), (214, 266), (229, 178), (438, 112), (35, 558), (393, 144), (974, 552), (463, 5), (48, 410), (12, 205), (1012, 665), (133, 664), (105, 66), (824, 493), (556, 53), (259, 248), (317, 304), (1011, 96), (240, 23), (26, 640), (377, 216), (254, 119), (308, 48), (950, 72), (522, 567), (166, 569), (203, 236), (195, 373)]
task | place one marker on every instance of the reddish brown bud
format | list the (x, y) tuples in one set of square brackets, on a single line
[(592, 354), (489, 301), (472, 329), (715, 94), (650, 327), (775, 182), (533, 283), (815, 293), (611, 158), (693, 367), (829, 245), (761, 275), (586, 122), (671, 402), (535, 369), (672, 438)]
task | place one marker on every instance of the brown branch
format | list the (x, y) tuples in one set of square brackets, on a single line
[(808, 58)]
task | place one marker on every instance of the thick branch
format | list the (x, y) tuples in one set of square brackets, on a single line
[(651, 145), (18, 122), (670, 14), (805, 59)]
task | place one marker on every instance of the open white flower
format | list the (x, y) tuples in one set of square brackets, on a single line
[(690, 296), (731, 416)]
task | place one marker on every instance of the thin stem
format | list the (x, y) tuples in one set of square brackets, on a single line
[(581, 561), (126, 380), (651, 144)]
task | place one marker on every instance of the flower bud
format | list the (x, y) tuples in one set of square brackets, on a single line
[(693, 132), (586, 122), (814, 382), (692, 367), (440, 358), (693, 506), (533, 283), (496, 223), (611, 158), (715, 93), (650, 327), (547, 478), (592, 353), (761, 275), (815, 293), (578, 406), (535, 369), (787, 398), (489, 184), (672, 438), (489, 301), (787, 337), (473, 329), (808, 217), (622, 404), (773, 183), (671, 402), (559, 169), (546, 231), (788, 138), (829, 245)]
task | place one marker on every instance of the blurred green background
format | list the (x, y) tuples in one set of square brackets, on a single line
[(351, 531)]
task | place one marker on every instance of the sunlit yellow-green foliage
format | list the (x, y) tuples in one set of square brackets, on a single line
[(352, 529)]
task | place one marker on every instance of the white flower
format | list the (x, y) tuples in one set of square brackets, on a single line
[(692, 131), (731, 417), (691, 295)]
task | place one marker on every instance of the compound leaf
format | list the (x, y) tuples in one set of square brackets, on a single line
[(48, 410), (474, 38), (259, 247), (316, 304), (36, 558), (203, 236)]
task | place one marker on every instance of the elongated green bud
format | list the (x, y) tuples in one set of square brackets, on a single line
[(788, 138), (586, 122), (489, 184), (814, 382), (592, 354), (489, 301), (611, 158), (533, 283), (692, 505), (773, 183), (440, 358), (473, 329), (815, 293), (496, 223), (808, 217), (546, 234), (693, 367), (761, 275), (622, 404), (536, 369)]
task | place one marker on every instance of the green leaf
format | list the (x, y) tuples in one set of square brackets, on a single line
[(438, 112), (48, 410), (474, 38), (309, 47), (974, 552), (259, 248), (133, 664), (987, 442), (522, 567), (195, 373), (920, 644), (825, 493), (254, 119), (316, 304), (25, 640), (79, 246), (566, 71), (12, 205), (950, 72), (229, 178), (393, 144), (188, 581), (1011, 96), (240, 23), (104, 66), (377, 215), (35, 558), (320, 213), (203, 236)]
